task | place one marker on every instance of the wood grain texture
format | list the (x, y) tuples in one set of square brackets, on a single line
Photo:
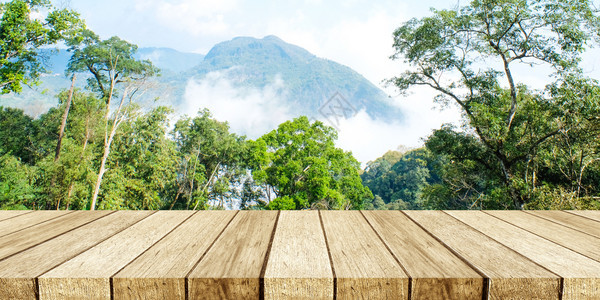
[(435, 271), (591, 214), (87, 275), (363, 265), (36, 234), (562, 235), (300, 255), (23, 221), (159, 273), (19, 271), (573, 221), (231, 268), (298, 266), (582, 275), (512, 276), (7, 214)]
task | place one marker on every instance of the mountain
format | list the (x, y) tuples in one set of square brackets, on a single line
[(169, 59), (36, 100), (309, 82)]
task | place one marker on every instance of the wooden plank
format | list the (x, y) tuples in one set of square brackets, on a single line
[(581, 274), (231, 268), (573, 221), (435, 271), (569, 238), (88, 274), (298, 265), (591, 214), (18, 272), (31, 236), (159, 273), (363, 266), (27, 220), (511, 275), (7, 214)]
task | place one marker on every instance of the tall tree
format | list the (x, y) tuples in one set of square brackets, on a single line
[(21, 35), (143, 167), (469, 55), (75, 168), (111, 63)]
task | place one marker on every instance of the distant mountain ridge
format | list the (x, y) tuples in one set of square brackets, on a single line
[(309, 81)]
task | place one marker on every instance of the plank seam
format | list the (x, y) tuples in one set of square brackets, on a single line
[(558, 223), (53, 218), (561, 281), (561, 289), (486, 280), (37, 288), (111, 282), (92, 246), (23, 250), (330, 257), (574, 214), (261, 279), (113, 275), (28, 212), (410, 279), (511, 249), (186, 281), (112, 288), (598, 260)]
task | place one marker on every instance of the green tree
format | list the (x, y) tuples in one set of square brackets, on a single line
[(469, 56), (111, 63), (17, 183), (401, 184), (16, 132), (21, 35), (142, 169), (75, 169), (211, 162), (300, 167)]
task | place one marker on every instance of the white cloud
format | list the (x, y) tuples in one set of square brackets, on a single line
[(368, 138), (249, 111), (254, 112), (206, 17)]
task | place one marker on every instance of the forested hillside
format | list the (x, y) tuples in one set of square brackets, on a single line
[(103, 147)]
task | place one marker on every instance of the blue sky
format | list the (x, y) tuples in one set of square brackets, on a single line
[(356, 33)]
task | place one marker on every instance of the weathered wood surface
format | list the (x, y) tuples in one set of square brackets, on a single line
[(300, 255), (298, 265), (511, 275)]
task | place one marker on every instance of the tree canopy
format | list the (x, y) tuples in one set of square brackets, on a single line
[(469, 55), (21, 35), (301, 167)]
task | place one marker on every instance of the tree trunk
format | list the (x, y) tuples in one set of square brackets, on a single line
[(208, 182), (512, 191), (85, 143), (68, 200), (107, 144), (61, 133)]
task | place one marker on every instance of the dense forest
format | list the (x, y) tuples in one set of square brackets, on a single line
[(519, 146)]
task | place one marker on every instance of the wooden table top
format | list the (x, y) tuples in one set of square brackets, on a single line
[(300, 255)]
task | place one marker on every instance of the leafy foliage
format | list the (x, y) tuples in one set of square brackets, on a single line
[(21, 35), (301, 167), (468, 56), (211, 162)]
